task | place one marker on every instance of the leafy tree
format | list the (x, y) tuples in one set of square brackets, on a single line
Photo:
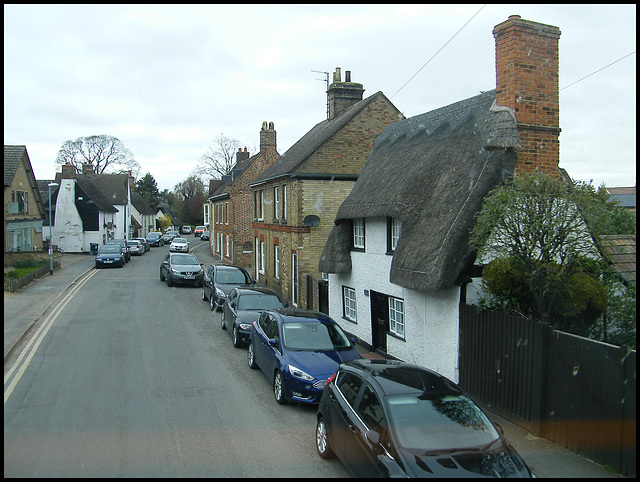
[(191, 195), (104, 152), (541, 227), (219, 158), (147, 187), (163, 222)]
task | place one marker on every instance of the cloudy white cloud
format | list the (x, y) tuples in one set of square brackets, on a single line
[(167, 79)]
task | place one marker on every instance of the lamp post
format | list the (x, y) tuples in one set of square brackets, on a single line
[(51, 184)]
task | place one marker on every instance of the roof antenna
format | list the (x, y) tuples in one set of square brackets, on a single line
[(326, 80)]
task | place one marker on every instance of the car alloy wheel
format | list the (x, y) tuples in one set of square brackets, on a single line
[(235, 336), (223, 325), (251, 358), (322, 440), (278, 388), (212, 304), (204, 295)]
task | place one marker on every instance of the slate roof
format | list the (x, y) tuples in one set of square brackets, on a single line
[(116, 185), (621, 252), (140, 204), (431, 171), (13, 156), (312, 140), (626, 196), (95, 194)]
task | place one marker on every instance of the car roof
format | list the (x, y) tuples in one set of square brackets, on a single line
[(256, 289), (288, 315), (228, 267), (397, 377)]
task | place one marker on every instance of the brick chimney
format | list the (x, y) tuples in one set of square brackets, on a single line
[(68, 171), (87, 170), (527, 82), (267, 137), (342, 95), (241, 155)]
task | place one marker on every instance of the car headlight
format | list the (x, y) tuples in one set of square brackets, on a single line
[(296, 372), (244, 326)]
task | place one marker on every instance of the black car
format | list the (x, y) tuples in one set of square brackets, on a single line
[(220, 280), (154, 238), (389, 418), (243, 306), (110, 255), (181, 268), (124, 246)]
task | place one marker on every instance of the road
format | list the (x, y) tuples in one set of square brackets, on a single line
[(136, 379)]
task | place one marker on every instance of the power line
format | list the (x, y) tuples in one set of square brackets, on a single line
[(622, 58), (439, 51)]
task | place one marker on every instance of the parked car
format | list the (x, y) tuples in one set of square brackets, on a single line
[(155, 238), (205, 235), (243, 306), (144, 243), (393, 419), (125, 248), (110, 255), (220, 280), (199, 230), (186, 229), (168, 236), (179, 244), (181, 268), (136, 247), (298, 350)]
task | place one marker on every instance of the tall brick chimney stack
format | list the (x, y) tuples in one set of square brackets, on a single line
[(527, 82), (267, 137), (342, 95)]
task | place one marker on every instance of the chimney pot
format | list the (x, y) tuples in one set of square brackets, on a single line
[(347, 76)]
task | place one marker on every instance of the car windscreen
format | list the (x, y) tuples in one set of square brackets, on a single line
[(433, 422), (109, 249), (179, 240), (314, 336), (231, 276), (258, 301), (154, 235), (184, 260)]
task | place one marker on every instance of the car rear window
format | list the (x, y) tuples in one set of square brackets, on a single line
[(349, 385)]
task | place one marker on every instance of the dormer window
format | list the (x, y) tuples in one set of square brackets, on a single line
[(394, 227), (357, 238)]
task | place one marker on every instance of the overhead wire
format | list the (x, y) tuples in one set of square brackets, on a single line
[(595, 72), (441, 48)]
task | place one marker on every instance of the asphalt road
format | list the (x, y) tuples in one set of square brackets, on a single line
[(132, 378)]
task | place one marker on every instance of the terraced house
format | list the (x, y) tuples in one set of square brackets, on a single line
[(231, 204), (295, 200)]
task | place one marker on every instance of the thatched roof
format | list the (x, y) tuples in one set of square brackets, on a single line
[(431, 171)]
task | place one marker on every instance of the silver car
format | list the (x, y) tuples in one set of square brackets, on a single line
[(181, 268)]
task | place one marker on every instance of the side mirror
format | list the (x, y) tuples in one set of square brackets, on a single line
[(273, 342)]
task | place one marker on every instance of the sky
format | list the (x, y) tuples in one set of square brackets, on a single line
[(168, 80)]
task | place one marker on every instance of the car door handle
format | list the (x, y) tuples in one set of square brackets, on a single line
[(353, 429)]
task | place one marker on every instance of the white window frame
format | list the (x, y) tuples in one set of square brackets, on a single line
[(396, 316), (257, 256), (276, 202), (396, 229), (261, 201), (276, 254), (358, 233), (226, 211), (217, 242), (349, 309), (294, 279), (284, 202), (262, 259), (227, 246)]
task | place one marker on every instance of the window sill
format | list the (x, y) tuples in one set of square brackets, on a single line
[(355, 322)]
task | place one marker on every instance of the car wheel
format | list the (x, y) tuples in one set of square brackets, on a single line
[(161, 277), (204, 295), (278, 388), (223, 325), (212, 304), (322, 440), (235, 337), (251, 357)]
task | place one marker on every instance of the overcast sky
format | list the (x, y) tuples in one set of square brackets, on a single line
[(168, 80)]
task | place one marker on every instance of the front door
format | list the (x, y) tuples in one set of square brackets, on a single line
[(379, 321)]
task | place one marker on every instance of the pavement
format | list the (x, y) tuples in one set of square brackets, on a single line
[(23, 308)]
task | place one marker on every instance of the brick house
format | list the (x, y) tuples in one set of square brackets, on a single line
[(398, 254), (24, 212), (231, 204), (295, 200)]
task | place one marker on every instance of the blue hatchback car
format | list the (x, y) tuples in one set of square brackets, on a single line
[(298, 350)]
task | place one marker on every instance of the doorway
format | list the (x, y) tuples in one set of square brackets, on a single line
[(379, 321)]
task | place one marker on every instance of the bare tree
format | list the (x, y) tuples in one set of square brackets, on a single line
[(102, 151), (219, 158)]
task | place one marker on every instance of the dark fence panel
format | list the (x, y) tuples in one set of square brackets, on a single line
[(576, 392)]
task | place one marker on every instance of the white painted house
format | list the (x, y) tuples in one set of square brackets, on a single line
[(398, 255)]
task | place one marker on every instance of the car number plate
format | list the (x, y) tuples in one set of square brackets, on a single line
[(189, 277), (108, 261)]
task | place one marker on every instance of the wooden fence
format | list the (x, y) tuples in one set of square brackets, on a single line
[(576, 392)]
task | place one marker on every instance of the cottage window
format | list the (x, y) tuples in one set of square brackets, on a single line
[(394, 227), (349, 303), (396, 316), (358, 234)]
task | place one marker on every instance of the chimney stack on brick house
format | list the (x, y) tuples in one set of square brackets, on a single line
[(87, 170), (527, 82), (241, 155), (68, 172), (342, 95), (267, 138)]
